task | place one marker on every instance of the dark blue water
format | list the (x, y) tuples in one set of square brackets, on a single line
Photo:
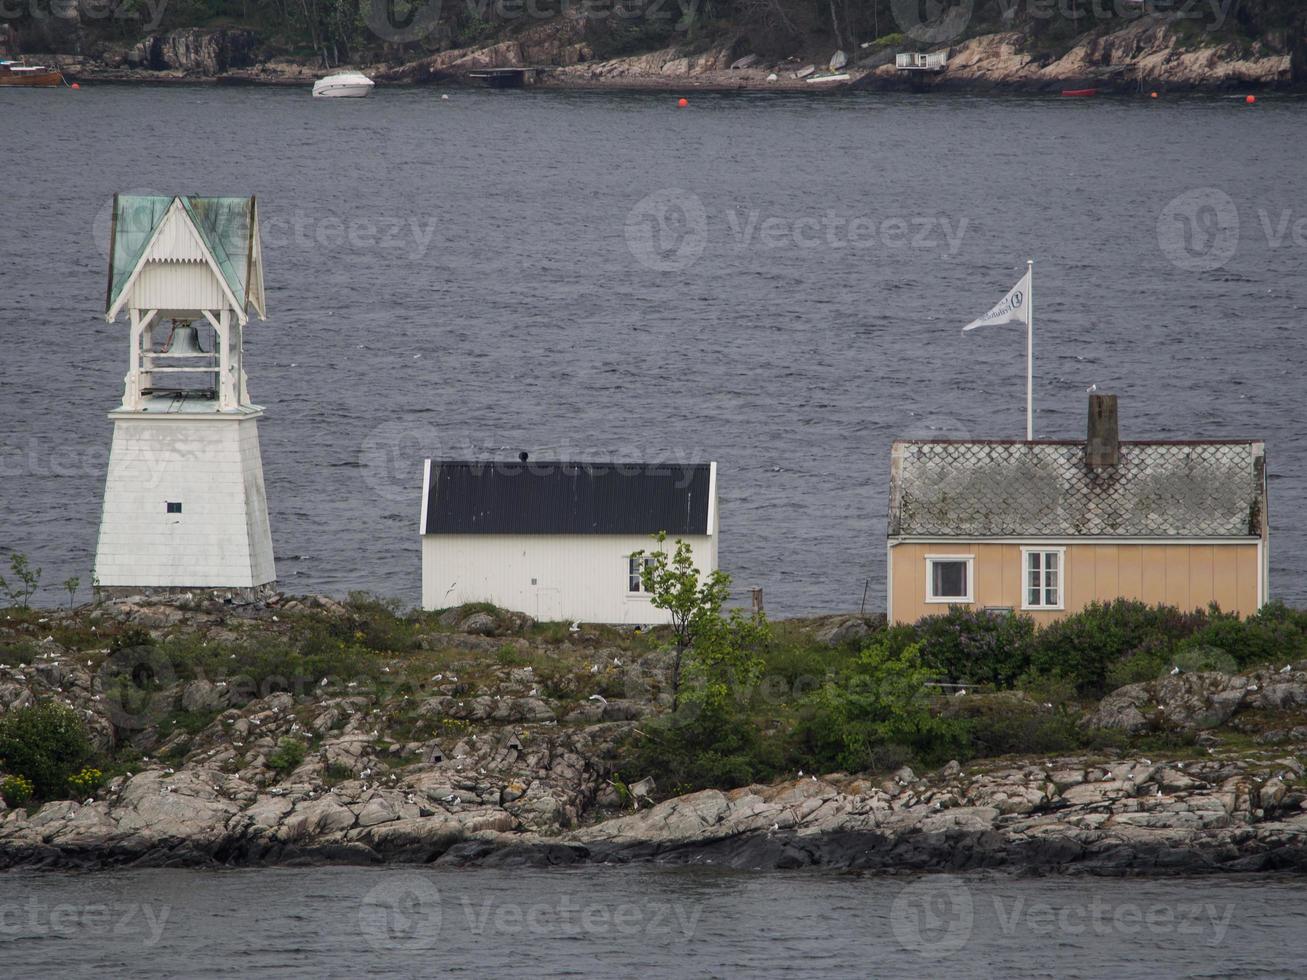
[(491, 273), (626, 922)]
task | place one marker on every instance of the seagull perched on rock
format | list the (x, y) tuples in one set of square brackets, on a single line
[(1174, 671), (574, 628), (1286, 669)]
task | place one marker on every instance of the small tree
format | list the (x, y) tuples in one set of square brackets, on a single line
[(694, 601), (25, 580), (71, 585)]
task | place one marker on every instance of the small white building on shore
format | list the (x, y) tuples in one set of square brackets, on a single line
[(555, 539)]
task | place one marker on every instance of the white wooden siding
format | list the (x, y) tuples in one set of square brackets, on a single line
[(211, 465), (549, 576), (177, 286)]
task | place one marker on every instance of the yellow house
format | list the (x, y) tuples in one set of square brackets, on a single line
[(1044, 528)]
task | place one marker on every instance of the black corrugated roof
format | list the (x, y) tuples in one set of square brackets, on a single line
[(567, 498)]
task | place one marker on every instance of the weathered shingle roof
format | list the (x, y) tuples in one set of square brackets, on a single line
[(1014, 489), (567, 498)]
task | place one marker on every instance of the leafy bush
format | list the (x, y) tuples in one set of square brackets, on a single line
[(16, 791), (287, 756), (1007, 723), (699, 746), (1274, 634), (1083, 646), (882, 701), (86, 782), (973, 646), (710, 739), (45, 744)]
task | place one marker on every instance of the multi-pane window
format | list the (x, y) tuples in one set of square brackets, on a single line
[(948, 578), (1043, 579), (634, 572)]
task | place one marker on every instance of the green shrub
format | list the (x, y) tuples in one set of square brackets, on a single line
[(1274, 634), (1006, 724), (710, 740), (974, 646), (882, 701), (287, 756), (84, 783), (1147, 663), (1193, 658), (699, 746), (16, 791), (509, 655), (45, 744), (1083, 646)]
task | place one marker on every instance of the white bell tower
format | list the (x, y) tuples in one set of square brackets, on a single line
[(184, 504)]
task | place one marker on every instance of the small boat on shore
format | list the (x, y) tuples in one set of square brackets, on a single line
[(1079, 93), (343, 85), (34, 76)]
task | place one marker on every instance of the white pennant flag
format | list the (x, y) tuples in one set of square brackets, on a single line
[(1012, 309)]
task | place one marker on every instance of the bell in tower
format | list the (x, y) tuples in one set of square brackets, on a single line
[(184, 504)]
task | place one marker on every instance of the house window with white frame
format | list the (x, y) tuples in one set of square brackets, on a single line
[(1044, 578), (636, 565), (949, 578)]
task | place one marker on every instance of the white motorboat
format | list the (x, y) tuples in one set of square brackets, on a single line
[(343, 85)]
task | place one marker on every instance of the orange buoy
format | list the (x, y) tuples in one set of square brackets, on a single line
[(683, 102), (1251, 100), (74, 85), (1154, 95)]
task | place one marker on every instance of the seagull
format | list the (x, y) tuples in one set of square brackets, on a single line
[(775, 827), (1286, 669), (574, 628), (1092, 388), (1174, 671), (594, 668)]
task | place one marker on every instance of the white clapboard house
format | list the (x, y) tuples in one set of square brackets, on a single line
[(555, 539), (184, 504)]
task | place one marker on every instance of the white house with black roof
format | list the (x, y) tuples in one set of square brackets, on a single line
[(555, 539)]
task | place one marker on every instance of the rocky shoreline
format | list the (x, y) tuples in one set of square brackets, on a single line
[(504, 756), (1150, 53)]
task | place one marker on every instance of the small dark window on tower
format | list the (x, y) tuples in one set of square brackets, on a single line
[(174, 507)]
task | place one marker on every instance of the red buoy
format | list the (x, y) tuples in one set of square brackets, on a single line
[(1251, 100), (683, 102), (74, 85), (1154, 95)]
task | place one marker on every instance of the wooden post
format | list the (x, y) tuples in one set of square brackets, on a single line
[(226, 386), (132, 383), (755, 594)]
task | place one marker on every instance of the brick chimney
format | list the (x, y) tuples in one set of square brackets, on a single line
[(1102, 448)]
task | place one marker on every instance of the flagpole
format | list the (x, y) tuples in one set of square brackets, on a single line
[(1030, 351)]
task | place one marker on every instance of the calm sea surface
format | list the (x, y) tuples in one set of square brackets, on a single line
[(635, 922), (491, 273)]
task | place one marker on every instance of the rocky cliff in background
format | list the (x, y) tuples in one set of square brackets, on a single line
[(1158, 51), (195, 51)]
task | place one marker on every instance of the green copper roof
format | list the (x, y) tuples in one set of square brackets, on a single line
[(225, 225)]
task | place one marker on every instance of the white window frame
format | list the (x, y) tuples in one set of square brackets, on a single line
[(969, 598), (1037, 549), (648, 560)]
